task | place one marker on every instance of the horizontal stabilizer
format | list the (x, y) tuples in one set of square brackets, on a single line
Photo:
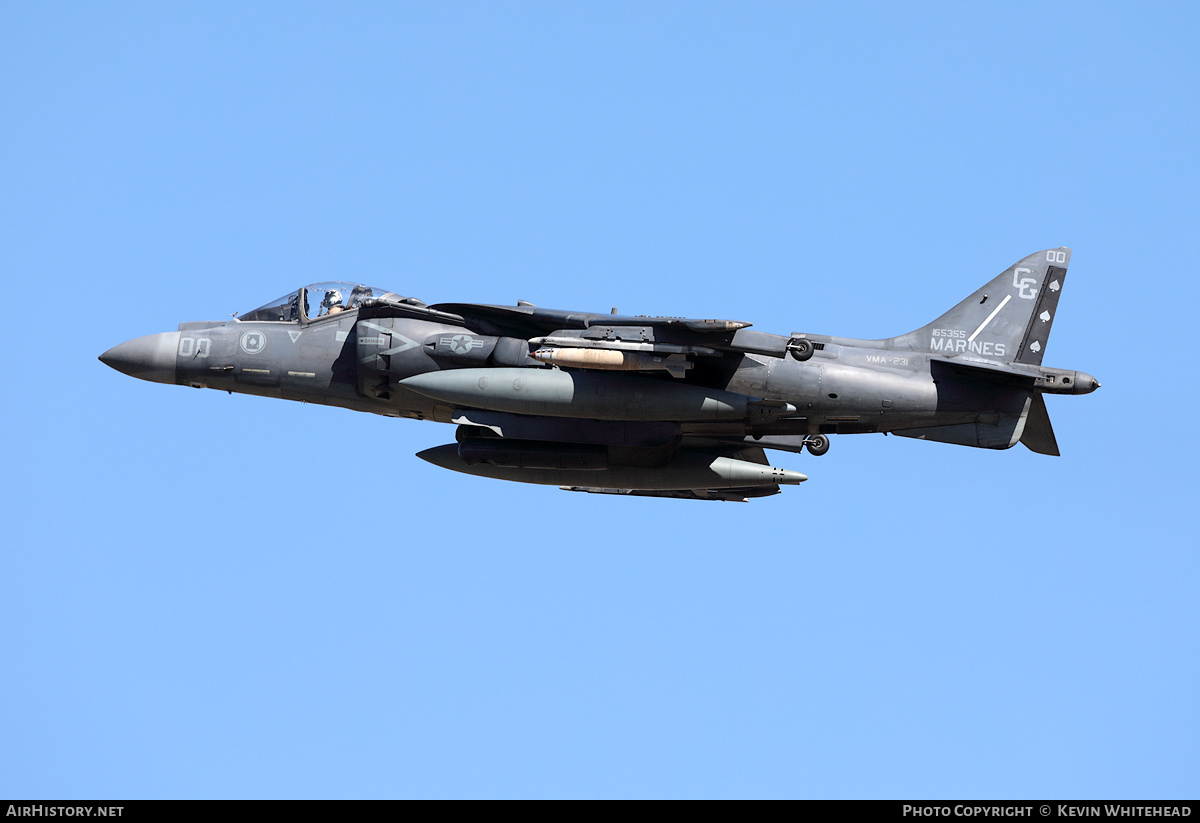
[(1009, 375), (1019, 375), (991, 431)]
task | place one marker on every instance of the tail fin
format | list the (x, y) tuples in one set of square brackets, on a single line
[(1008, 319)]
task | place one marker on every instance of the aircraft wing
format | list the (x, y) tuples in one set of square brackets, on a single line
[(511, 437), (532, 320), (656, 336)]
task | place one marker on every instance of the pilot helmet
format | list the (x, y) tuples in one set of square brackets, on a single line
[(333, 297)]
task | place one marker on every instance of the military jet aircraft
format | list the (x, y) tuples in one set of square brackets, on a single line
[(653, 406)]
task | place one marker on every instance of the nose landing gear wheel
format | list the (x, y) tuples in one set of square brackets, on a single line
[(818, 445)]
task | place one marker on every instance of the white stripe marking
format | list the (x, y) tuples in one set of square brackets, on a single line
[(995, 311)]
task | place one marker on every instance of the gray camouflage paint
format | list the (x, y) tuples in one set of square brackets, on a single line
[(972, 377)]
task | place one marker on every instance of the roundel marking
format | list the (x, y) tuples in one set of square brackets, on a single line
[(461, 344), (253, 342)]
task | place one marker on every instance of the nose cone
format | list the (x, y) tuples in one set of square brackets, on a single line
[(148, 358)]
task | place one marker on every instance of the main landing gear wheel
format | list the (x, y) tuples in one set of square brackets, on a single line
[(800, 348), (818, 445)]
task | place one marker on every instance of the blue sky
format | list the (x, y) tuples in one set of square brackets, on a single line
[(225, 596)]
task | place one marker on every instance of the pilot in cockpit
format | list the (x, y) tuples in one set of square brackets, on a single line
[(332, 304)]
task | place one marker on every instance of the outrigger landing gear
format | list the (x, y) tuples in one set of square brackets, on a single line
[(800, 348), (817, 445)]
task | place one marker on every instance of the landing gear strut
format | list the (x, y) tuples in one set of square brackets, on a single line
[(817, 445)]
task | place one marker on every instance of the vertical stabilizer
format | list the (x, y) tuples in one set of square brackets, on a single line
[(1007, 320)]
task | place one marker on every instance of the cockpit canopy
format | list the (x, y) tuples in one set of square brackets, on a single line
[(317, 300)]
